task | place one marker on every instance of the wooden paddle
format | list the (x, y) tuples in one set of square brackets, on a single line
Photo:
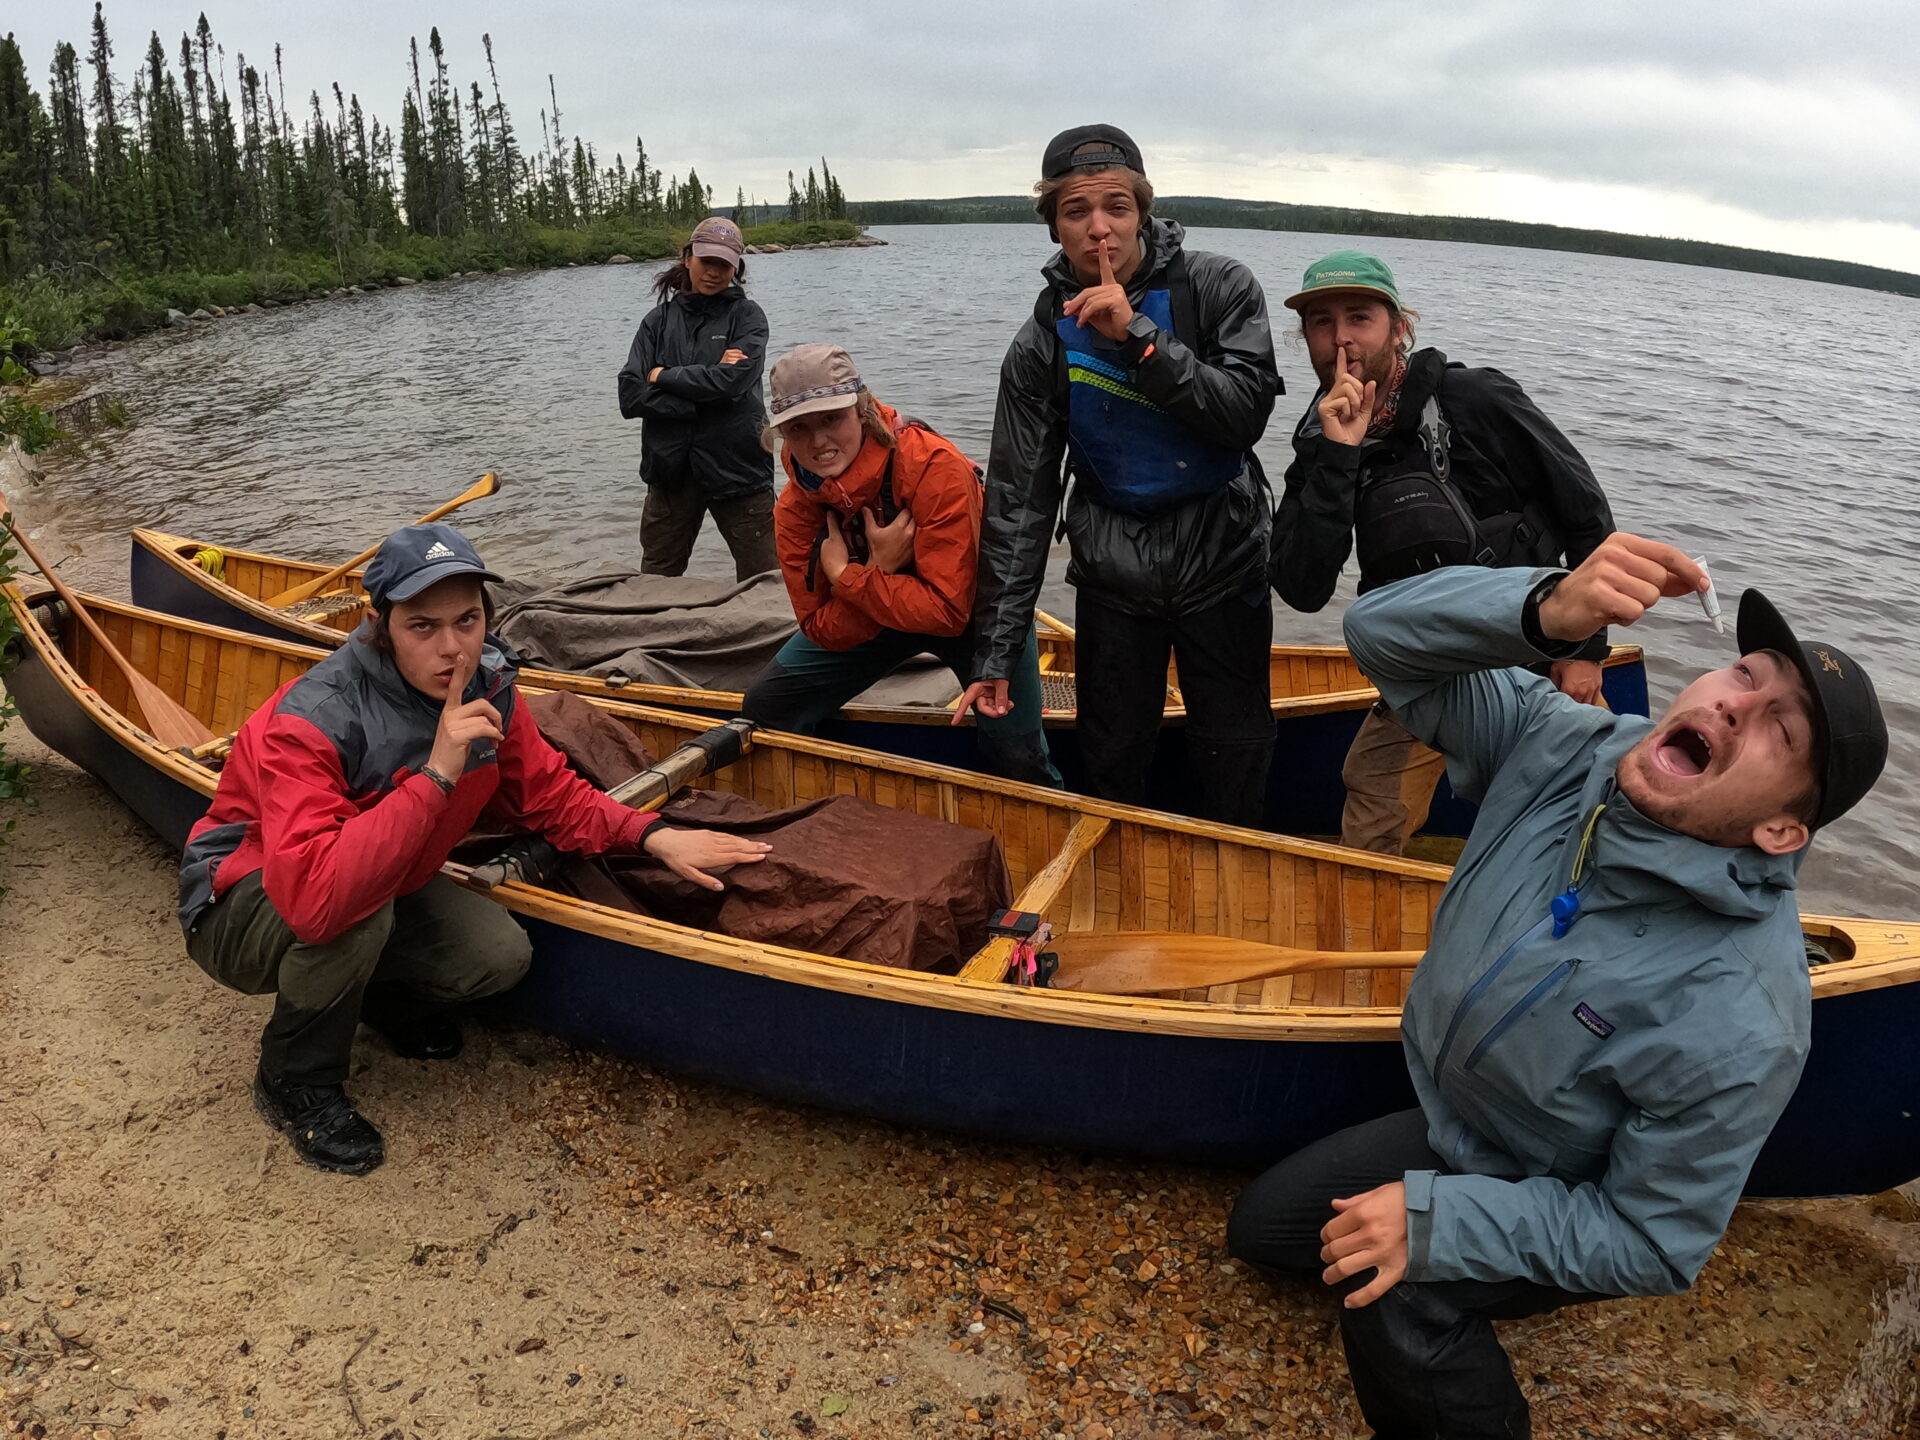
[(487, 484), (1053, 623), (168, 721), (1144, 962)]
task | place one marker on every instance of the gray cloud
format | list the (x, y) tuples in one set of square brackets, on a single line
[(1792, 111)]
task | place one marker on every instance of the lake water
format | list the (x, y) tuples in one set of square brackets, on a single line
[(1769, 423)]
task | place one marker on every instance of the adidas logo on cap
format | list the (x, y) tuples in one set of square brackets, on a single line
[(439, 551)]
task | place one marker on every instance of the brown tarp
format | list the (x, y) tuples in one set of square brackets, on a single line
[(675, 630), (846, 877)]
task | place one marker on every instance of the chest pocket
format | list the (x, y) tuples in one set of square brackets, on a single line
[(1541, 1065)]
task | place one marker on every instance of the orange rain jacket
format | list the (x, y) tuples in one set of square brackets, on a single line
[(932, 481)]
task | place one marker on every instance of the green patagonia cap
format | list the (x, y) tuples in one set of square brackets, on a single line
[(1346, 270)]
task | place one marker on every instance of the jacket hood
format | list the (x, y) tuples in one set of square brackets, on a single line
[(1162, 238), (1638, 861)]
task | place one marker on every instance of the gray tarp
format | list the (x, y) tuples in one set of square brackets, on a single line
[(675, 630)]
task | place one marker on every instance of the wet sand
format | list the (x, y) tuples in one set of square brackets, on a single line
[(560, 1245)]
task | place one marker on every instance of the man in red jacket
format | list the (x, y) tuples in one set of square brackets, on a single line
[(315, 873)]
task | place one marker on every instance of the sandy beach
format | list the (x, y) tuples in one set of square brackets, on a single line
[(561, 1245)]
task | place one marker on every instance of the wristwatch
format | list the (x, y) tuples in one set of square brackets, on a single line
[(1530, 621), (1141, 333)]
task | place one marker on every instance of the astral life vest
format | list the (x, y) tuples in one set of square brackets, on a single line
[(1409, 516), (1137, 458)]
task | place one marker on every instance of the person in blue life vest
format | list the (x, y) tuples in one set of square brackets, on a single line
[(1416, 462), (1146, 372), (1615, 1005)]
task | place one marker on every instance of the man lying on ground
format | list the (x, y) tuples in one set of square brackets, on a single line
[(316, 872), (1614, 1008)]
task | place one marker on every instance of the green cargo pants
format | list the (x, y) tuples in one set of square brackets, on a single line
[(439, 946)]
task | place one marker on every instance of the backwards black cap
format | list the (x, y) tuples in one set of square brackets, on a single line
[(1850, 733), (1113, 146)]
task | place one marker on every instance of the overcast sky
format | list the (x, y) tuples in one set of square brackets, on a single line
[(1789, 126)]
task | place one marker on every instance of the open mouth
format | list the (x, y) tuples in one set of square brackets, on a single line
[(1686, 751)]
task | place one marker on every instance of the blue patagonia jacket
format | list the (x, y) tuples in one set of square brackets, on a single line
[(1599, 1097)]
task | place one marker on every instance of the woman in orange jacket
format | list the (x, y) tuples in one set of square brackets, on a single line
[(878, 532)]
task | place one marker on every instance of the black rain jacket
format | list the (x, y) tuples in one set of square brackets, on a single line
[(1182, 560), (1505, 455), (701, 420)]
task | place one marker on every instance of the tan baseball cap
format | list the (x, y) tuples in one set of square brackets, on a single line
[(811, 378), (719, 238)]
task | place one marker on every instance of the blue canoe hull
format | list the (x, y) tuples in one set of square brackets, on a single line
[(1852, 1127), (1304, 791)]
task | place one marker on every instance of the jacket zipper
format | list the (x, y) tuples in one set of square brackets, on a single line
[(1479, 988), (1500, 1027)]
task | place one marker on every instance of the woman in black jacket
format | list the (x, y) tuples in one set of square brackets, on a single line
[(693, 378)]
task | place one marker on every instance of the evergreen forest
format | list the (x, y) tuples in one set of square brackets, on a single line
[(193, 179), (1331, 220)]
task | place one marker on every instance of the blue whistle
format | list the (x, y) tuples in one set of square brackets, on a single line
[(1566, 910)]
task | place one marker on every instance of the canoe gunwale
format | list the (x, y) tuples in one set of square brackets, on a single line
[(172, 550), (1886, 953)]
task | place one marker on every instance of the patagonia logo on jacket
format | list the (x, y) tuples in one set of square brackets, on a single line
[(1593, 1020)]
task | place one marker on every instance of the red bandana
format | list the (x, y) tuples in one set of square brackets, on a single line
[(1382, 421)]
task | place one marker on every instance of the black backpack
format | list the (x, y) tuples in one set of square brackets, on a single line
[(1409, 517)]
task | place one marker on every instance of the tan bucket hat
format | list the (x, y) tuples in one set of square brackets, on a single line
[(811, 378)]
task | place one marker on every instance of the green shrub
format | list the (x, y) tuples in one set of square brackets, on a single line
[(800, 232), (52, 313), (227, 291)]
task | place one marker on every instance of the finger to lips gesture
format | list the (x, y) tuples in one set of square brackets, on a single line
[(1367, 1232), (1617, 584), (1103, 307), (1347, 408), (461, 723)]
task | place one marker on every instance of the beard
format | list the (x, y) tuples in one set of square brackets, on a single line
[(1376, 365)]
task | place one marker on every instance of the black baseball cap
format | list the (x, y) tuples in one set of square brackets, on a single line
[(1850, 733), (1116, 147), (410, 560)]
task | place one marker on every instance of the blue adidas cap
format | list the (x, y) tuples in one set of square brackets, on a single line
[(410, 560)]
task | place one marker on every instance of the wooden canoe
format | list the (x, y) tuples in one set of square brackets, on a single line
[(1240, 1073), (1319, 694)]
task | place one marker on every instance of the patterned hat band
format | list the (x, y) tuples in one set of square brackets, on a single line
[(784, 403)]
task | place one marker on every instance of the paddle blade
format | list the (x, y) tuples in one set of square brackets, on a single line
[(168, 721), (1148, 962)]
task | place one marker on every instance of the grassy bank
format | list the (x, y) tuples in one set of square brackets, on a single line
[(85, 305)]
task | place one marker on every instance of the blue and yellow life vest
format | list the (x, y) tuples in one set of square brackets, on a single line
[(1137, 457)]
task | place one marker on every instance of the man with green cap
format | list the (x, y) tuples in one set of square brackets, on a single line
[(1418, 462)]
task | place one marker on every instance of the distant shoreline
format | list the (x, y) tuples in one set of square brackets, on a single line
[(1207, 210)]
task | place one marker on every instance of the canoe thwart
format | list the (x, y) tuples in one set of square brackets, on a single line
[(532, 860)]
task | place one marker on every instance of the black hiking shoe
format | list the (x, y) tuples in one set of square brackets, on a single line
[(321, 1123), (426, 1037)]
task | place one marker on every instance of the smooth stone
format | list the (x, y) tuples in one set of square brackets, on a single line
[(196, 315), (174, 317), (619, 260), (405, 280)]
